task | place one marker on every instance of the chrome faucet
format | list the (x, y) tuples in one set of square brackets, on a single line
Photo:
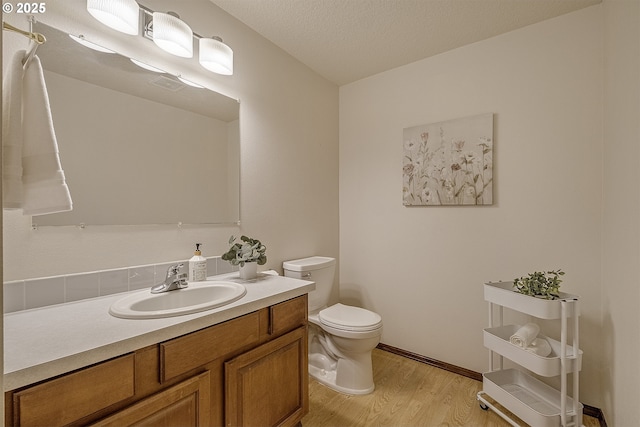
[(173, 281)]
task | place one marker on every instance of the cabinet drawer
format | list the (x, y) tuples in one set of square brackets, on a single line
[(188, 352), (288, 315), (74, 396)]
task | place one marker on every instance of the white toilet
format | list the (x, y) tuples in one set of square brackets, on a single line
[(341, 337)]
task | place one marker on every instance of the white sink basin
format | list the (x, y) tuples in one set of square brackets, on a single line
[(199, 296)]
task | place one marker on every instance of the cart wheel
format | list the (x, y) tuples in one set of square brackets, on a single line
[(483, 406)]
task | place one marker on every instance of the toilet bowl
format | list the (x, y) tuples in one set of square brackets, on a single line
[(347, 335), (341, 337)]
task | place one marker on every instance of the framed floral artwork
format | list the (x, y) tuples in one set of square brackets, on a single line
[(449, 163)]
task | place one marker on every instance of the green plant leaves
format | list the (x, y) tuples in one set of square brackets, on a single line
[(250, 250), (540, 284)]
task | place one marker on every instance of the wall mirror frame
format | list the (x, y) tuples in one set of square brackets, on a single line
[(138, 147)]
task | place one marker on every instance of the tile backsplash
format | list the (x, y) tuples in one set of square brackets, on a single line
[(41, 292)]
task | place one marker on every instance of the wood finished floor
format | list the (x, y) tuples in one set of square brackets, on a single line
[(407, 394)]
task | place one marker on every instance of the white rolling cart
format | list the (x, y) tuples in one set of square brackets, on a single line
[(530, 399)]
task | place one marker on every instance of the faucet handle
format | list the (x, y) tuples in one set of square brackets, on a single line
[(173, 270)]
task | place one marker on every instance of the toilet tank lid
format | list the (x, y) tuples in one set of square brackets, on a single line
[(309, 264)]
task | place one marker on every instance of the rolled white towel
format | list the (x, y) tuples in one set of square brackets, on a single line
[(270, 272), (525, 335), (540, 346)]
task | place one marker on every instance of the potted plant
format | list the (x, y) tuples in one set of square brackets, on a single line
[(543, 285), (248, 254)]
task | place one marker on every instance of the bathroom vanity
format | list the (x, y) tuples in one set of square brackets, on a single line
[(239, 365)]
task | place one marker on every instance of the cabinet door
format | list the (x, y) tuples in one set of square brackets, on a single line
[(186, 404), (268, 386)]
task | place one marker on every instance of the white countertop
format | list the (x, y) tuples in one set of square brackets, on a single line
[(45, 342)]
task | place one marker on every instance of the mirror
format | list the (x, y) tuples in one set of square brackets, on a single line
[(138, 147)]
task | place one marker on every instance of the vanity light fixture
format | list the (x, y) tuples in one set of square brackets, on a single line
[(80, 39), (216, 56), (121, 15), (172, 34), (166, 30)]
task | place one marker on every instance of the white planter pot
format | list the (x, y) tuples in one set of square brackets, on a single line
[(249, 270)]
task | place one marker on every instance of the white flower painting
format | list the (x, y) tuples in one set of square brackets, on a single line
[(449, 163)]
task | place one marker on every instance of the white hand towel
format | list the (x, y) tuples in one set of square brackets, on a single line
[(525, 335), (12, 134), (540, 346), (44, 185)]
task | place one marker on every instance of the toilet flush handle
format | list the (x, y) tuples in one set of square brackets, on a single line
[(306, 275)]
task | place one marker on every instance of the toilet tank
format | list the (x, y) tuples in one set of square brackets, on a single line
[(316, 269)]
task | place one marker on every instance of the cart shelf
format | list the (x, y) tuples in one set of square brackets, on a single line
[(497, 339), (526, 397), (502, 293)]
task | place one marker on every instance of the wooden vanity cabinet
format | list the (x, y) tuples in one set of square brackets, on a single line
[(251, 370)]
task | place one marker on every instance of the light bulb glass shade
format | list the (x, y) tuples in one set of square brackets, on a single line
[(121, 15), (172, 34), (189, 83), (146, 66), (216, 56), (84, 42)]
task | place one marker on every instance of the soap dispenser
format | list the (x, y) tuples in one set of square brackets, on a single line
[(197, 266)]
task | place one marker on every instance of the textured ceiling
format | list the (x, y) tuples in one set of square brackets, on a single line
[(347, 40)]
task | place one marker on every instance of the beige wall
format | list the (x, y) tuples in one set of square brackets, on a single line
[(289, 149), (621, 213), (422, 268)]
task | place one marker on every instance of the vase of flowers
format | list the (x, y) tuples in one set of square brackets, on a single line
[(247, 254)]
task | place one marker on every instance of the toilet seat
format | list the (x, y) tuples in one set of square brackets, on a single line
[(349, 318)]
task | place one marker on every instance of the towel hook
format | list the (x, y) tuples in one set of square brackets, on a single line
[(36, 37)]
